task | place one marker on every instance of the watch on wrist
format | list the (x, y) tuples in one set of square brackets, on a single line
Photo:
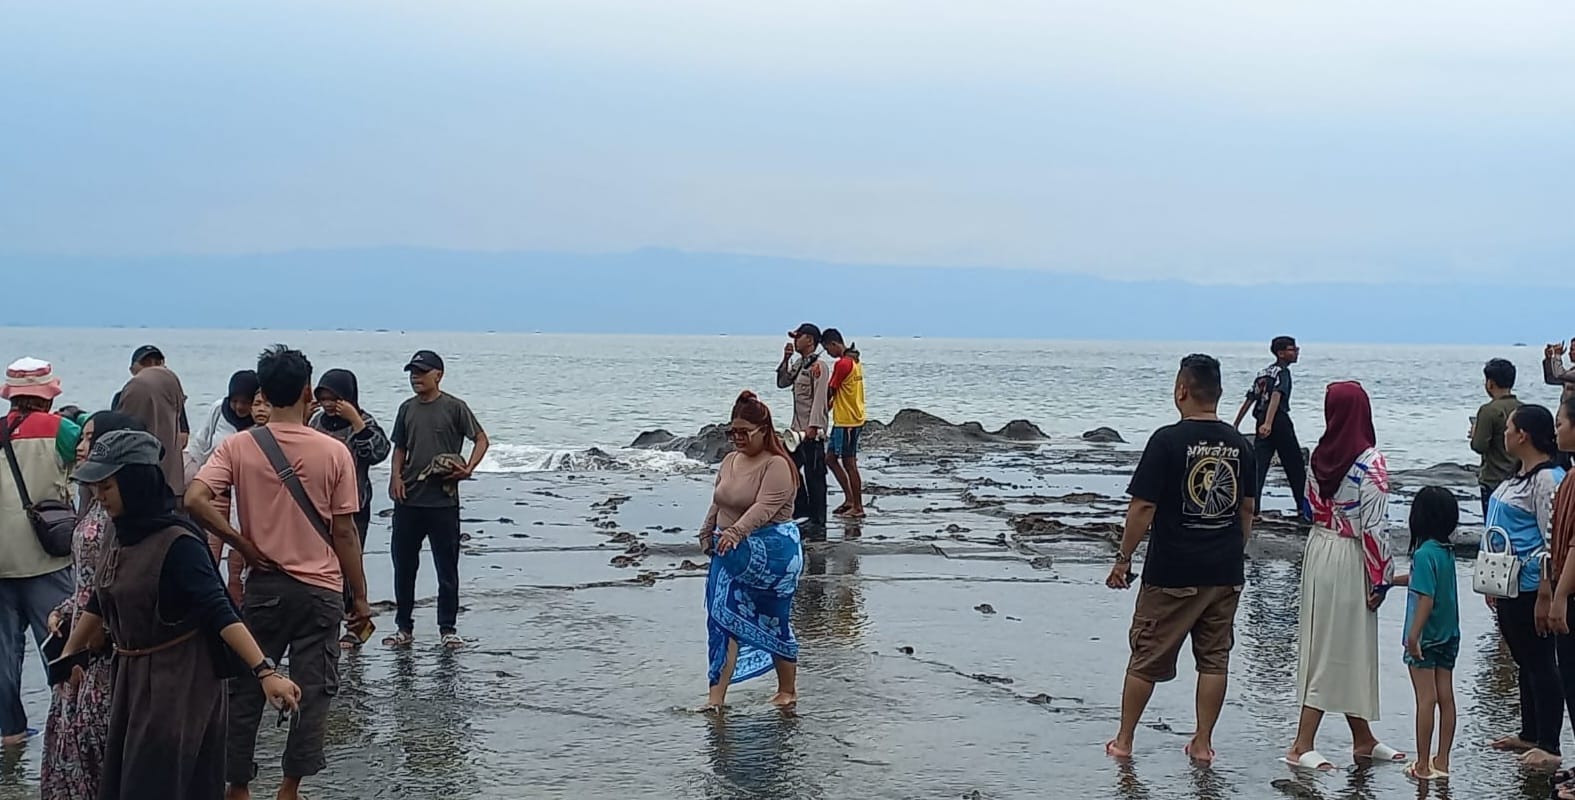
[(263, 668), (1123, 558)]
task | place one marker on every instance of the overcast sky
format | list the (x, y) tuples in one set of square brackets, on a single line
[(1211, 141)]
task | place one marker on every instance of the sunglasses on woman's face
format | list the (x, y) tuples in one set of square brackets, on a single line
[(741, 434)]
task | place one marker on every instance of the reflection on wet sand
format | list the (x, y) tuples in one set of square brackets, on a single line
[(828, 606), (755, 755)]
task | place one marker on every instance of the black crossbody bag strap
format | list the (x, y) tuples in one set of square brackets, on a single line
[(291, 481), (16, 469)]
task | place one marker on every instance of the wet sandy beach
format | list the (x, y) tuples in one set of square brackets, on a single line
[(954, 646)]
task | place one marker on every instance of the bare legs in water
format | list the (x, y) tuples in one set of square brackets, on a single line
[(787, 681)]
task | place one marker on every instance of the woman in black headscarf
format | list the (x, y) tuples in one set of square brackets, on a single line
[(77, 733), (168, 711), (230, 415), (340, 415)]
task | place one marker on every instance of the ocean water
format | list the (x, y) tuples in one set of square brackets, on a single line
[(546, 398)]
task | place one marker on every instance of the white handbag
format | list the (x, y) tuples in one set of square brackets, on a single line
[(1497, 573)]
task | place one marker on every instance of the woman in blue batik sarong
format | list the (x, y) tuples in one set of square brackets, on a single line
[(756, 559)]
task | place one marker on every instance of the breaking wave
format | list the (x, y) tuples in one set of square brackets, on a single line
[(529, 458)]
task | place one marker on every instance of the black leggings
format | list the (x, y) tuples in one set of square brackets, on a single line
[(1564, 647), (1541, 688)]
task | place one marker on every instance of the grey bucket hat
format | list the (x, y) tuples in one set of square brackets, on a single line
[(117, 449)]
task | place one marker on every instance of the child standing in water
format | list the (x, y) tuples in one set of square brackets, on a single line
[(1432, 624)]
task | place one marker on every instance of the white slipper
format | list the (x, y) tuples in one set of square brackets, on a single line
[(1385, 753), (1313, 760)]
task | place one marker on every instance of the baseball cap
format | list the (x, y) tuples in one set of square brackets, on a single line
[(424, 361), (146, 352), (116, 449), (807, 329)]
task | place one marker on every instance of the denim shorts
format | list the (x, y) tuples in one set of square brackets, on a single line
[(844, 442)]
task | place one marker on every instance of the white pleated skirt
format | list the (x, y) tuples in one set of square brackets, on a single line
[(1337, 670)]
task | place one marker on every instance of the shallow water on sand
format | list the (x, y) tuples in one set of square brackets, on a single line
[(580, 676)]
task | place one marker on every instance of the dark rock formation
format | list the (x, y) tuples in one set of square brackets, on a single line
[(910, 431), (921, 428), (708, 446), (1104, 436), (650, 440), (1447, 475)]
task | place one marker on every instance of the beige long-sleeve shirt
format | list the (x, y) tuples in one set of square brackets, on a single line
[(751, 493), (810, 379)]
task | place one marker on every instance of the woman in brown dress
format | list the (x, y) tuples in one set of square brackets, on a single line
[(167, 714), (75, 738)]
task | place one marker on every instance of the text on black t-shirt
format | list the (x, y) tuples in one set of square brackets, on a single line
[(1197, 473)]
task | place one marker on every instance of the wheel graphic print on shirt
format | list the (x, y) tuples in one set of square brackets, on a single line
[(1213, 485)]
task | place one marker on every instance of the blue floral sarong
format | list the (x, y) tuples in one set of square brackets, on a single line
[(749, 597)]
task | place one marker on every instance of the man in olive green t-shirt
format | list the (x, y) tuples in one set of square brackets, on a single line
[(1487, 428)]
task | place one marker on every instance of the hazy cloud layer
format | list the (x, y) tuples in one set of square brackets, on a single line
[(1211, 141)]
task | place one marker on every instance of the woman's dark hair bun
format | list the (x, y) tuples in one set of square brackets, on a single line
[(747, 396)]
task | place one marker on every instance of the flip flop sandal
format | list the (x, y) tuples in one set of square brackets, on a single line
[(1410, 772), (452, 641), (1311, 760), (1384, 753), (399, 639)]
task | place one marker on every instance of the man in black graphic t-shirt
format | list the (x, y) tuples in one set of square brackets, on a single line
[(1270, 402), (1194, 495)]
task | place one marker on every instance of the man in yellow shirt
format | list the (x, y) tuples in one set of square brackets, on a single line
[(847, 422)]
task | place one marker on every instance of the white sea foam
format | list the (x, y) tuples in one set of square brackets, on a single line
[(531, 458)]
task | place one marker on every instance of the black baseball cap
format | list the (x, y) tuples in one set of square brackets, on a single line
[(807, 329), (146, 352), (425, 361)]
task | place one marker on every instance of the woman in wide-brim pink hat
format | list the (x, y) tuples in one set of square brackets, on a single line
[(30, 377)]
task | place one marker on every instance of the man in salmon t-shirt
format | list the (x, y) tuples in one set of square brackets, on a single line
[(296, 573)]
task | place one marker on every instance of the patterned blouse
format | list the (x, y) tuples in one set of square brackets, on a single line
[(1359, 510)]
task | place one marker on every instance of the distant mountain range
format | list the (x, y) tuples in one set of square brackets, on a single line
[(666, 291)]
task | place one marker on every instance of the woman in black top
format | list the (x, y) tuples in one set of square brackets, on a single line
[(168, 713)]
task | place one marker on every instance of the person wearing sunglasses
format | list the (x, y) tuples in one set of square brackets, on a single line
[(756, 559)]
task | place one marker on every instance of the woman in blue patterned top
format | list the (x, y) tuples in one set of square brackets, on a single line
[(1522, 507)]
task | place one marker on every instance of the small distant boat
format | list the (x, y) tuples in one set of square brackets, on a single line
[(1520, 344)]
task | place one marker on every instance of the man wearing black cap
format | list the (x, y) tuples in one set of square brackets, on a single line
[(429, 433), (151, 356), (810, 381)]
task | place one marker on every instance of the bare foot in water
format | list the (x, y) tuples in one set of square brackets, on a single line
[(784, 700), (1537, 758), (1118, 751), (1200, 752), (1512, 744)]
